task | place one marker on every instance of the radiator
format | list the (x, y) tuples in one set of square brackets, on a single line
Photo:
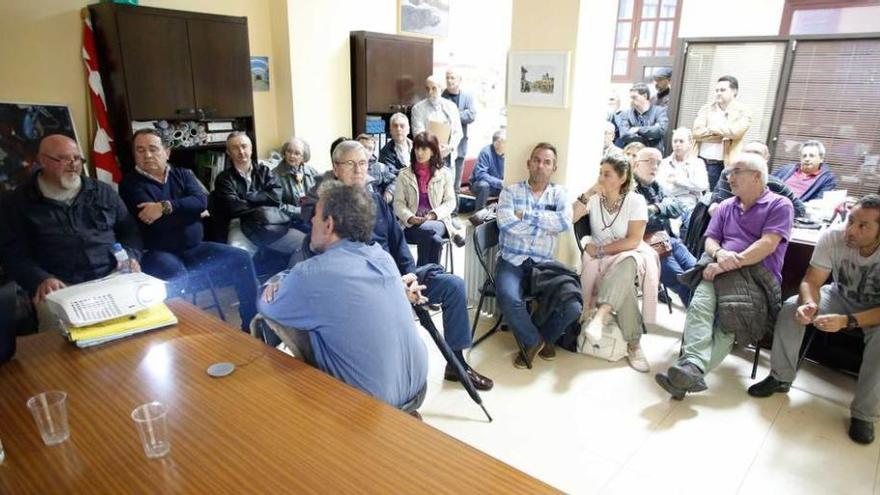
[(474, 276)]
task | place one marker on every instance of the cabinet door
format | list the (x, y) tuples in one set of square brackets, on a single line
[(155, 58), (382, 68), (416, 64), (221, 68)]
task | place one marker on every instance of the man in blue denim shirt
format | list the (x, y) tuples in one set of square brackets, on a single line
[(531, 214)]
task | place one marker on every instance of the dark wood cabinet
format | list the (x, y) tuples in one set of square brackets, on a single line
[(387, 74), (160, 64)]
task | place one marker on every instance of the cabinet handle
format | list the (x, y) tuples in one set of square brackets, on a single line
[(185, 111)]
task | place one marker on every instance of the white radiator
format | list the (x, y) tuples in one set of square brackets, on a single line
[(474, 276)]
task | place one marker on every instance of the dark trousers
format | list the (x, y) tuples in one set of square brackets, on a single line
[(482, 190), (713, 169), (447, 290), (678, 262), (428, 238), (223, 263)]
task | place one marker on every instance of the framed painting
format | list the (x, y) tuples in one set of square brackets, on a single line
[(538, 79), (423, 17)]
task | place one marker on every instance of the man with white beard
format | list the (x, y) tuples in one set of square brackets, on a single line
[(62, 226)]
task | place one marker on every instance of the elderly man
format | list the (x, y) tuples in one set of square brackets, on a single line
[(436, 115), (396, 152), (737, 278), (531, 215), (642, 122), (445, 289), (467, 111), (664, 89), (720, 127), (169, 202), (810, 178), (487, 178), (851, 254), (675, 259), (352, 303), (608, 147), (242, 191), (64, 226)]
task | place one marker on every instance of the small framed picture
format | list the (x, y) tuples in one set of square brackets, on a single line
[(538, 79)]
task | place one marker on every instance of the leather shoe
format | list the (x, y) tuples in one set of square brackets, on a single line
[(458, 239), (548, 353), (861, 431), (768, 386), (530, 353), (480, 382)]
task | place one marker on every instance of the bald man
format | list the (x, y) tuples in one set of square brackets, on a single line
[(62, 226), (439, 111)]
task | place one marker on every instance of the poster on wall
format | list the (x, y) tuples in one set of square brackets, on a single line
[(260, 73), (22, 126), (423, 17), (538, 79)]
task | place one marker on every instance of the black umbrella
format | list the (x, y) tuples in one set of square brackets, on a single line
[(425, 320)]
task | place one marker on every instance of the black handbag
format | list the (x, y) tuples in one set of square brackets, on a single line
[(264, 225)]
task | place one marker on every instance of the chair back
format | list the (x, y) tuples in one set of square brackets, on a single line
[(581, 230), (485, 238)]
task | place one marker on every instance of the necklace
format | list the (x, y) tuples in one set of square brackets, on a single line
[(614, 208)]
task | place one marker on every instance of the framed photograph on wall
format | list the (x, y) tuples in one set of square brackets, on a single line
[(538, 79), (22, 126), (260, 73), (423, 17)]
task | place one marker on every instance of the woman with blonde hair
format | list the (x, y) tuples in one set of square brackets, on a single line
[(615, 258)]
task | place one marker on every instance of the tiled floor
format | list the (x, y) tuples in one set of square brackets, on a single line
[(587, 426)]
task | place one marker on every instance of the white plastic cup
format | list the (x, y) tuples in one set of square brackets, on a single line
[(50, 413), (152, 425)]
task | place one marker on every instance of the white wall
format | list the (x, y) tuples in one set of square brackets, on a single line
[(320, 66), (715, 18)]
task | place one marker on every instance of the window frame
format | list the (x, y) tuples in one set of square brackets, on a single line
[(635, 31), (792, 6)]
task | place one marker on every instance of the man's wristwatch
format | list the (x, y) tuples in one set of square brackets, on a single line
[(851, 322), (166, 208)]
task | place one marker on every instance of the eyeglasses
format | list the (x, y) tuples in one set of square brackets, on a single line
[(351, 164), (78, 160), (736, 171)]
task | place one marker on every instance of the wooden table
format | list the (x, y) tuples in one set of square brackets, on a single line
[(274, 426)]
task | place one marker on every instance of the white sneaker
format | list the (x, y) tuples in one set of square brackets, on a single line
[(594, 331), (637, 360)]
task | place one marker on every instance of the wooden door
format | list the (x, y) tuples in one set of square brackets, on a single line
[(221, 68), (382, 67), (416, 64), (156, 62)]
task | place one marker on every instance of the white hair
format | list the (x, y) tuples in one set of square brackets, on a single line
[(683, 130), (751, 161)]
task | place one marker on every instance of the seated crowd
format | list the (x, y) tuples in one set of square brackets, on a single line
[(346, 235)]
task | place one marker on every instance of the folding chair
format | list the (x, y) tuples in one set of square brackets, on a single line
[(806, 347), (485, 238)]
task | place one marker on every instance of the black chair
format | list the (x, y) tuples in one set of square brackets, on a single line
[(200, 281), (485, 238), (811, 331)]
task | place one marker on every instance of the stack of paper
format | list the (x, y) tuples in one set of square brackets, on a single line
[(155, 317)]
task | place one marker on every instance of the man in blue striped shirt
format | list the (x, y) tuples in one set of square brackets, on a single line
[(530, 216)]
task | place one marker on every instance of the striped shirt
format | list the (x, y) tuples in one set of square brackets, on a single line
[(543, 219)]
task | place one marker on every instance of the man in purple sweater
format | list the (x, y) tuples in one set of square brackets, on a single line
[(168, 203)]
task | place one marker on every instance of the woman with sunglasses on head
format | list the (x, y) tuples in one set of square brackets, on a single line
[(615, 259)]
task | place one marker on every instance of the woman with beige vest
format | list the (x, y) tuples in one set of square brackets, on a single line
[(424, 200)]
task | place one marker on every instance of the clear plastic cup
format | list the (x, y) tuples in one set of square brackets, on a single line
[(50, 413), (152, 425)]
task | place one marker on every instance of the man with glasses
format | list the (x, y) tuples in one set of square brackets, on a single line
[(445, 289), (748, 234), (62, 226)]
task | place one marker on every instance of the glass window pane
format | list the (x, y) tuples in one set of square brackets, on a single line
[(664, 34), (667, 8), (831, 21), (650, 8), (644, 53), (646, 34), (661, 53), (625, 9), (621, 57), (623, 34)]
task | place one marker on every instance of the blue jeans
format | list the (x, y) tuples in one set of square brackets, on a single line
[(428, 238), (678, 262), (713, 170), (482, 190), (509, 290), (224, 263), (447, 290)]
